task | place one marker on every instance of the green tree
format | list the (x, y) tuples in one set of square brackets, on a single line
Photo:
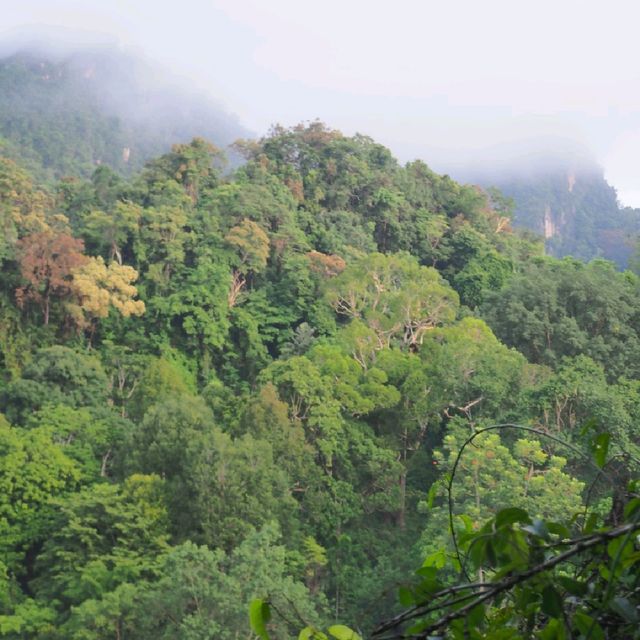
[(35, 470), (55, 375), (162, 379), (251, 246), (191, 165), (493, 476), (394, 296), (101, 538), (205, 594), (559, 308), (113, 230)]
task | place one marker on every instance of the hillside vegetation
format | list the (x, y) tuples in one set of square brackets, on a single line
[(216, 388), (575, 209), (64, 115)]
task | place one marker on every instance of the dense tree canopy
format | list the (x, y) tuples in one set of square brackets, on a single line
[(220, 387)]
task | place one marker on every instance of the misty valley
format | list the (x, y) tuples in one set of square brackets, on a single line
[(286, 386)]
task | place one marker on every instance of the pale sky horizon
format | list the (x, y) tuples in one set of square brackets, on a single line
[(450, 82)]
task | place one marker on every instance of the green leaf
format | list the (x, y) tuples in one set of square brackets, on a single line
[(553, 631), (511, 515), (551, 602), (437, 559), (631, 507), (591, 523), (623, 608), (574, 587), (559, 530), (259, 615), (430, 583), (425, 589), (589, 425), (478, 551), (475, 617), (467, 522), (433, 491), (427, 571), (340, 632), (418, 627), (631, 559), (506, 569), (492, 557), (587, 626), (620, 547), (538, 529), (310, 633), (600, 448), (406, 597), (603, 570)]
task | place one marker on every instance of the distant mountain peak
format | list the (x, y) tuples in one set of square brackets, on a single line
[(573, 207), (69, 111)]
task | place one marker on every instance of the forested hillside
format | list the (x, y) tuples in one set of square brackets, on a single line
[(66, 114), (574, 208), (216, 388)]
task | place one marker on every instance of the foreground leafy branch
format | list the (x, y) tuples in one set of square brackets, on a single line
[(536, 578), (485, 592)]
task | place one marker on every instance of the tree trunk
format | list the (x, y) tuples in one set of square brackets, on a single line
[(115, 253), (401, 521), (103, 466)]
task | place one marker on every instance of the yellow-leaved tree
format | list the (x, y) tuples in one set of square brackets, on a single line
[(251, 247), (97, 287)]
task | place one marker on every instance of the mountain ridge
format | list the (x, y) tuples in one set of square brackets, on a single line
[(575, 210), (65, 113), (69, 113)]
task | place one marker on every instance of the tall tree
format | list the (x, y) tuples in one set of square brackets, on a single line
[(98, 287), (112, 229), (394, 296), (47, 261), (251, 247)]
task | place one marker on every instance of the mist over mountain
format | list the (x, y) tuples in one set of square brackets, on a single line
[(67, 112), (248, 389), (564, 197), (67, 107), (559, 192)]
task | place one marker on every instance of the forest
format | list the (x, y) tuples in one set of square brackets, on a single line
[(575, 208), (266, 397)]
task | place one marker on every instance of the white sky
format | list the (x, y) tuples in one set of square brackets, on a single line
[(445, 80)]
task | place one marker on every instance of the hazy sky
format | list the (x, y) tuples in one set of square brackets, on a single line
[(450, 81)]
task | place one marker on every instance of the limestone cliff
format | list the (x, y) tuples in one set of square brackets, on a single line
[(575, 210)]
